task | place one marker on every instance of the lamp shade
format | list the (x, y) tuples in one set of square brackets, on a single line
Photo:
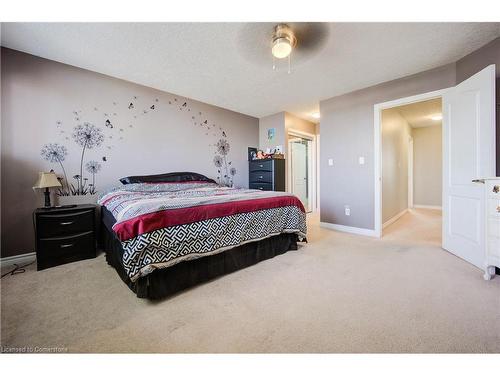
[(46, 180)]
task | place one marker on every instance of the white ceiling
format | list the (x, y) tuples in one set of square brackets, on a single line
[(419, 115), (230, 65)]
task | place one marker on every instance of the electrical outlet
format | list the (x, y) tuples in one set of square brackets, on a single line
[(330, 162), (361, 160), (347, 210)]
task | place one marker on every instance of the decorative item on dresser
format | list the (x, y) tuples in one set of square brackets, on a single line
[(45, 181), (267, 174), (64, 234), (492, 187)]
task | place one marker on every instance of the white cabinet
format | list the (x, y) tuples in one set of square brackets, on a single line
[(492, 195)]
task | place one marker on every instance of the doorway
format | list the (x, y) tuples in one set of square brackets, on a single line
[(411, 143), (468, 155), (301, 167), (397, 171)]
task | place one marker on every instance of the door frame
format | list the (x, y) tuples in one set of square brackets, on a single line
[(410, 173), (312, 178), (377, 111)]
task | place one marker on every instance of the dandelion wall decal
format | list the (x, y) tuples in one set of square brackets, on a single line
[(55, 153), (218, 161), (93, 167), (87, 136), (223, 147)]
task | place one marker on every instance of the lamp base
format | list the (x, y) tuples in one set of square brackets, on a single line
[(47, 198)]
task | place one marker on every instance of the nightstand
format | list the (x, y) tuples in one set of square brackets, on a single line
[(64, 235)]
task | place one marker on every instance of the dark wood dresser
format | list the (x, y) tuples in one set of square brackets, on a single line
[(64, 235), (267, 174)]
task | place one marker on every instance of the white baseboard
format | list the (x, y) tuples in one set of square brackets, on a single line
[(427, 207), (348, 229), (394, 218), (17, 259)]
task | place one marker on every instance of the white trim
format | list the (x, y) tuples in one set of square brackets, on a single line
[(377, 114), (17, 259), (394, 218), (317, 168), (313, 179), (300, 133), (427, 207), (347, 229), (410, 173)]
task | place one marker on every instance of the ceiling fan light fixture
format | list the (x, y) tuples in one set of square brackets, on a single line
[(281, 48), (283, 41)]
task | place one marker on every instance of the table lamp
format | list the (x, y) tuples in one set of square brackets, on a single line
[(45, 181)]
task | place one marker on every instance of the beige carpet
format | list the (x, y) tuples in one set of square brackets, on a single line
[(339, 293)]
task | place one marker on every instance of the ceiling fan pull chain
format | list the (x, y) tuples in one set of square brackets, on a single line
[(274, 64)]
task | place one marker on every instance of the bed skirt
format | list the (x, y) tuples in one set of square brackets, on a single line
[(165, 282)]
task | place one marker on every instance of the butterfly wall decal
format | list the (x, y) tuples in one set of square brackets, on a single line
[(109, 124), (131, 106)]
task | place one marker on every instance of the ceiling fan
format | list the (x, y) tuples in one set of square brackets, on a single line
[(262, 42)]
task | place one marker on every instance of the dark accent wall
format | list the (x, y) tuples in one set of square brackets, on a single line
[(145, 131)]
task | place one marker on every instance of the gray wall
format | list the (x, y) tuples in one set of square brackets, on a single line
[(427, 166), (474, 62), (38, 93), (276, 121), (396, 133), (347, 131)]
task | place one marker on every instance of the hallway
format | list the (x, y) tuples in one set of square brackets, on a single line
[(417, 225)]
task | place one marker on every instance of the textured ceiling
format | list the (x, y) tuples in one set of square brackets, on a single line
[(230, 65), (418, 115)]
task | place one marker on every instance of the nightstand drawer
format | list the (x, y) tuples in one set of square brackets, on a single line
[(261, 186), (493, 228), (261, 176), (265, 165), (493, 207), (67, 246), (63, 224)]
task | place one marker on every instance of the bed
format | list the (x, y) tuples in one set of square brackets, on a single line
[(166, 233)]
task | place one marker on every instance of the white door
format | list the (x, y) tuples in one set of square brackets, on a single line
[(468, 154), (299, 171)]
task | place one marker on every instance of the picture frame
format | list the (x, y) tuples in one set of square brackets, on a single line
[(252, 153)]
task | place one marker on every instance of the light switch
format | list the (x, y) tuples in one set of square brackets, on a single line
[(361, 160), (330, 162)]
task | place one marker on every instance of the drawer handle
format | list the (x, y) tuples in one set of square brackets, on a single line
[(66, 245), (261, 177), (261, 188), (67, 222), (261, 165), (496, 189)]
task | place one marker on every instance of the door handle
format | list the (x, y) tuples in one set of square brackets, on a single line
[(478, 181)]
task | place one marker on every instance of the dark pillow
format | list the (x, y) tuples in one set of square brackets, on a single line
[(167, 177)]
